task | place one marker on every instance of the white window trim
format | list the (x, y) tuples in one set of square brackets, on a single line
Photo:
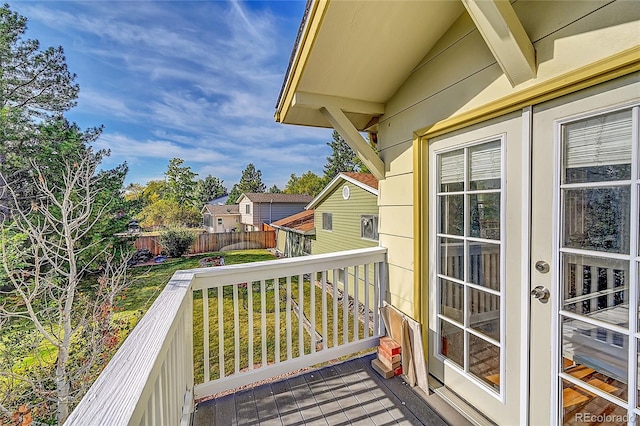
[(376, 230), (322, 219)]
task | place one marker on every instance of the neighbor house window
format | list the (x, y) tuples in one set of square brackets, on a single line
[(327, 221), (369, 226), (248, 209), (219, 221)]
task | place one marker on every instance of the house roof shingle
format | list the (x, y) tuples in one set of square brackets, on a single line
[(302, 222), (366, 178), (267, 197)]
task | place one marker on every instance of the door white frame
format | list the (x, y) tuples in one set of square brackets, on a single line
[(525, 249)]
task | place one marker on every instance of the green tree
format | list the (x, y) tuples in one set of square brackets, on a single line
[(169, 213), (209, 188), (309, 183), (275, 190), (250, 181), (35, 85), (33, 82), (181, 182), (154, 190), (59, 141), (342, 159)]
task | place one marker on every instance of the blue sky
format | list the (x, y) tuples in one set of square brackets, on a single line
[(196, 80)]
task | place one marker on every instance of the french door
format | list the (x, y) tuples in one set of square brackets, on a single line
[(476, 196), (585, 258), (535, 260)]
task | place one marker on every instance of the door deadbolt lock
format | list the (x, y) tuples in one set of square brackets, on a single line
[(541, 293), (542, 266)]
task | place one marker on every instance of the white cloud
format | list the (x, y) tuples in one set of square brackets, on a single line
[(194, 80)]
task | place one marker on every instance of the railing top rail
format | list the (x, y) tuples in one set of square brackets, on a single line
[(114, 398), (232, 274)]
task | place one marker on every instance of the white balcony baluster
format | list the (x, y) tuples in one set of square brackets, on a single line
[(150, 380)]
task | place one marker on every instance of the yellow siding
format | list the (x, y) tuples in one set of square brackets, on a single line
[(460, 74)]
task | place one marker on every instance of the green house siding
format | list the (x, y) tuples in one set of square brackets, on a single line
[(346, 214)]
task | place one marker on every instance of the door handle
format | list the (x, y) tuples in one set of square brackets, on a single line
[(541, 293)]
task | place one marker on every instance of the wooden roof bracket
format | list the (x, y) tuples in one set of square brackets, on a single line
[(354, 139), (505, 36), (333, 109)]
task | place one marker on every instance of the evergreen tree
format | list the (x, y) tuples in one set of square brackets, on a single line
[(275, 190), (250, 181), (181, 182), (209, 188), (35, 85), (342, 158)]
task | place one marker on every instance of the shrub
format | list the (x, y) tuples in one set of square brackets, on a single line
[(176, 241)]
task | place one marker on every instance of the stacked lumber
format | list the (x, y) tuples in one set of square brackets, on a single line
[(389, 360)]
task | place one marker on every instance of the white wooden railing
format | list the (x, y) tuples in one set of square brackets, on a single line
[(247, 323)]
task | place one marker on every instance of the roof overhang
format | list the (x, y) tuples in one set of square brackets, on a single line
[(354, 55)]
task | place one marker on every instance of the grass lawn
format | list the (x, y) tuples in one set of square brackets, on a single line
[(272, 334), (148, 282)]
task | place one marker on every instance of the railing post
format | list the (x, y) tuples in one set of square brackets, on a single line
[(187, 364)]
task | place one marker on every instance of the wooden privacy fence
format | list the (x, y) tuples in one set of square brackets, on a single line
[(206, 243)]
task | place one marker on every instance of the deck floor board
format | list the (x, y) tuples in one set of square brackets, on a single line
[(349, 393)]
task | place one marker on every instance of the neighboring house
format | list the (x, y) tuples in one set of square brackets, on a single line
[(294, 234), (346, 214), (257, 208), (219, 200), (507, 156), (220, 218)]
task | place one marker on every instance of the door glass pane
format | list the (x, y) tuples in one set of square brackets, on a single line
[(484, 216), (598, 149), (452, 342), (581, 407), (452, 214), (485, 166), (484, 265), (451, 171), (596, 355), (452, 258), (473, 212), (452, 300), (484, 313), (597, 219), (484, 361), (596, 287)]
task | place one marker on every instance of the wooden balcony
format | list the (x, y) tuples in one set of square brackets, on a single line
[(252, 322)]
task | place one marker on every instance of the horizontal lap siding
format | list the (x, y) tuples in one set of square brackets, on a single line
[(460, 74), (269, 213), (346, 220)]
